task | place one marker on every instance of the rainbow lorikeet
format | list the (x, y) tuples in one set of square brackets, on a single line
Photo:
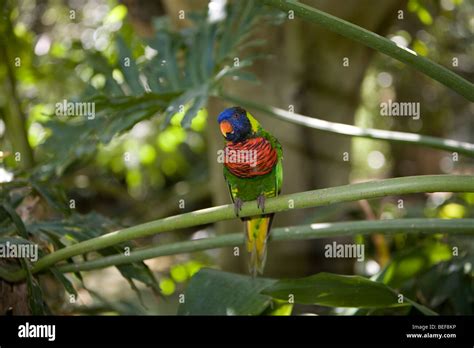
[(253, 171)]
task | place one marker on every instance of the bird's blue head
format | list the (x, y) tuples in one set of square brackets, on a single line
[(234, 124)]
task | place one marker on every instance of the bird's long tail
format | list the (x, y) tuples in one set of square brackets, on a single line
[(257, 230)]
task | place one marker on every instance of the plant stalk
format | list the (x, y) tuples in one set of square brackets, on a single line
[(461, 147), (307, 199), (378, 43), (320, 230)]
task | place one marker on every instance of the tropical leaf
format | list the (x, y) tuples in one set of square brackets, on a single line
[(77, 228), (15, 218), (35, 294), (279, 308), (129, 67), (186, 69), (413, 261), (54, 195), (334, 290), (449, 283), (64, 281), (211, 292)]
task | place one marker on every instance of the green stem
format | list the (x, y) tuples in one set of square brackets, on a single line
[(345, 129), (307, 199), (379, 43), (321, 230), (13, 115)]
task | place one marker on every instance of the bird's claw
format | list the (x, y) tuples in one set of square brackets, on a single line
[(261, 202), (238, 203)]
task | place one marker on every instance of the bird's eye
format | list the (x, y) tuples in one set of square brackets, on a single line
[(235, 116)]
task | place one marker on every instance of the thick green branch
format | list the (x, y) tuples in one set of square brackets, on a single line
[(321, 230), (345, 129), (13, 115), (379, 43), (346, 193)]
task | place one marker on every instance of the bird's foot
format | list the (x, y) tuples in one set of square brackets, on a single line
[(238, 203), (261, 202)]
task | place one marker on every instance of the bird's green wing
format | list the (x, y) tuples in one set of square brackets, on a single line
[(279, 166), (279, 170), (228, 180)]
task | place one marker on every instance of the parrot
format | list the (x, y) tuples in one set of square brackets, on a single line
[(253, 171)]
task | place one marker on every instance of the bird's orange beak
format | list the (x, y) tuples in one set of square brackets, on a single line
[(226, 127)]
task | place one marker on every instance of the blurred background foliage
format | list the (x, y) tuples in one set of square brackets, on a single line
[(154, 74)]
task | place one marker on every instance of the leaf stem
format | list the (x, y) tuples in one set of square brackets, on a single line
[(345, 129), (379, 43), (307, 199), (320, 230)]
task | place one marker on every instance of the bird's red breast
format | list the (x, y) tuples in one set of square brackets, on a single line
[(250, 158)]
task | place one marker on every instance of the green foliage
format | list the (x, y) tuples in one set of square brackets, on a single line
[(213, 292), (410, 262), (448, 286), (9, 211), (166, 81), (179, 74), (335, 290), (125, 85), (436, 278), (64, 281), (35, 293), (77, 228)]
